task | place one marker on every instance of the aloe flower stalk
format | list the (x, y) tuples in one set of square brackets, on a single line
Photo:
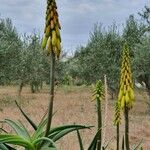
[(126, 92), (98, 95), (52, 43), (52, 39)]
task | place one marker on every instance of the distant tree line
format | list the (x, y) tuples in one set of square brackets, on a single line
[(102, 54), (22, 61)]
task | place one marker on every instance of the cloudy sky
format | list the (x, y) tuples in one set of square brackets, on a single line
[(76, 16)]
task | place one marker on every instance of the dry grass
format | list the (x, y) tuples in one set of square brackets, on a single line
[(73, 105)]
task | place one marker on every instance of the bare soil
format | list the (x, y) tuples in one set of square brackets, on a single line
[(74, 105)]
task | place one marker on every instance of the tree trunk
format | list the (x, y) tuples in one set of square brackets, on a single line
[(147, 82), (20, 88), (32, 87), (41, 84)]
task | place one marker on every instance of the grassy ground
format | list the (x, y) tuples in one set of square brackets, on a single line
[(73, 105)]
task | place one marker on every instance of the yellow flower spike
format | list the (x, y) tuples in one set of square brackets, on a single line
[(52, 27), (126, 84)]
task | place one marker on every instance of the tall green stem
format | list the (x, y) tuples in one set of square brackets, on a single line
[(126, 114), (118, 136), (51, 99), (99, 143)]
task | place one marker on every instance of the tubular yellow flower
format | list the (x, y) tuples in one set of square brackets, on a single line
[(126, 93), (52, 38)]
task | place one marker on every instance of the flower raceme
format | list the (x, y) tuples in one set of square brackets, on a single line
[(52, 38), (98, 93), (126, 93)]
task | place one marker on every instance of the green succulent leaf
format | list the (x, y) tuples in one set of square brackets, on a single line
[(40, 130), (94, 142), (51, 142), (56, 133), (80, 140), (19, 129), (62, 134), (16, 140), (65, 130), (60, 128), (3, 147), (26, 116)]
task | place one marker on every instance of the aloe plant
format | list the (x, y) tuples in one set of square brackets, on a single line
[(33, 141)]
